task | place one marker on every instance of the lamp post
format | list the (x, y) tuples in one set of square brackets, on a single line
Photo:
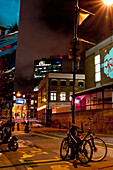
[(27, 121), (80, 16), (74, 69), (18, 95)]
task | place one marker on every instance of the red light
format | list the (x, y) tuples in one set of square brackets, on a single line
[(60, 57)]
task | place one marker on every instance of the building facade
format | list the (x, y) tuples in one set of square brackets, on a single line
[(55, 94), (99, 64), (99, 77), (25, 105), (55, 64)]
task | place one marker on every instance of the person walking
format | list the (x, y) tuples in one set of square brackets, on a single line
[(13, 123)]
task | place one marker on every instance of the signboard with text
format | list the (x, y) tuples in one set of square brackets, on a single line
[(20, 101)]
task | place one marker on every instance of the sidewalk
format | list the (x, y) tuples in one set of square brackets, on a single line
[(53, 131)]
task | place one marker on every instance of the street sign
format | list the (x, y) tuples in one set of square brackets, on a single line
[(20, 101)]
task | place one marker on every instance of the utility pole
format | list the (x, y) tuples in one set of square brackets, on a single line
[(74, 72), (80, 16)]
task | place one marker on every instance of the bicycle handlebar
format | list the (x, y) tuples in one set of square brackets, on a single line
[(88, 124)]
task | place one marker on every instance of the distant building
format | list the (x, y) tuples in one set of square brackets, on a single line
[(55, 93), (29, 106), (55, 64)]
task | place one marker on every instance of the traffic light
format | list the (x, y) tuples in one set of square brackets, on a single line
[(78, 49), (70, 54)]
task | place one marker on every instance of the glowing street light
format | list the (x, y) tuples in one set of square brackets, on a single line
[(18, 94), (108, 2)]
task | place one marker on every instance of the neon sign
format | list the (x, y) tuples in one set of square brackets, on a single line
[(108, 64)]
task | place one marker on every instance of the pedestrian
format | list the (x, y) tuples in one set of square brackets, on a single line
[(13, 123)]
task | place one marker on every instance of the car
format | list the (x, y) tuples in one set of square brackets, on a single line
[(37, 125)]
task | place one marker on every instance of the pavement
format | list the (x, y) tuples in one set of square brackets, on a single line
[(107, 163), (53, 131), (61, 133)]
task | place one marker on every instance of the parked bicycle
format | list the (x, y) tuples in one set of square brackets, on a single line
[(82, 148), (98, 145)]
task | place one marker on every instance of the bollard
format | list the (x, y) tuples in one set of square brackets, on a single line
[(27, 128), (17, 126)]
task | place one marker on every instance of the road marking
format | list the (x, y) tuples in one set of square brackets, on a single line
[(31, 153), (110, 148), (27, 166), (47, 135), (53, 162), (60, 167)]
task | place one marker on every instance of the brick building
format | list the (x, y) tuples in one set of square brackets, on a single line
[(55, 93)]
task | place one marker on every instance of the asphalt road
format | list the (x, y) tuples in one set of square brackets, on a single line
[(41, 151)]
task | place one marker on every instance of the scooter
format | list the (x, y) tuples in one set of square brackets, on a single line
[(6, 138)]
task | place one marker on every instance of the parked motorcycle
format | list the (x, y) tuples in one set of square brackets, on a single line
[(6, 138), (12, 143)]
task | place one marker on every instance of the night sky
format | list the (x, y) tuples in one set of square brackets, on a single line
[(46, 27)]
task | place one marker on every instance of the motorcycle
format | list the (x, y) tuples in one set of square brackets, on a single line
[(12, 143), (6, 138)]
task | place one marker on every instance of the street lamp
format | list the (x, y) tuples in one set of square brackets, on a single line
[(27, 121), (108, 2), (18, 94), (80, 16)]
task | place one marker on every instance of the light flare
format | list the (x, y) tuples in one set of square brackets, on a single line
[(108, 2)]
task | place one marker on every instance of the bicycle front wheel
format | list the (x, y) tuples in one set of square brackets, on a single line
[(85, 152), (99, 149), (64, 148)]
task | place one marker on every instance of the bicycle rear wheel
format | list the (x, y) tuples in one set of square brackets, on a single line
[(64, 148), (99, 150), (85, 152)]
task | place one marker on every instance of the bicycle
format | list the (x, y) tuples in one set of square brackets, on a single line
[(82, 148), (98, 145)]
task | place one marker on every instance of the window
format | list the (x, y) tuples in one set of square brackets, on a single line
[(53, 96), (63, 82), (70, 96), (97, 68), (63, 96), (71, 83), (54, 82), (80, 84), (32, 102)]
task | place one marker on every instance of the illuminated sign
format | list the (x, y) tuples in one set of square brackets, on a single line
[(20, 101), (108, 64)]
